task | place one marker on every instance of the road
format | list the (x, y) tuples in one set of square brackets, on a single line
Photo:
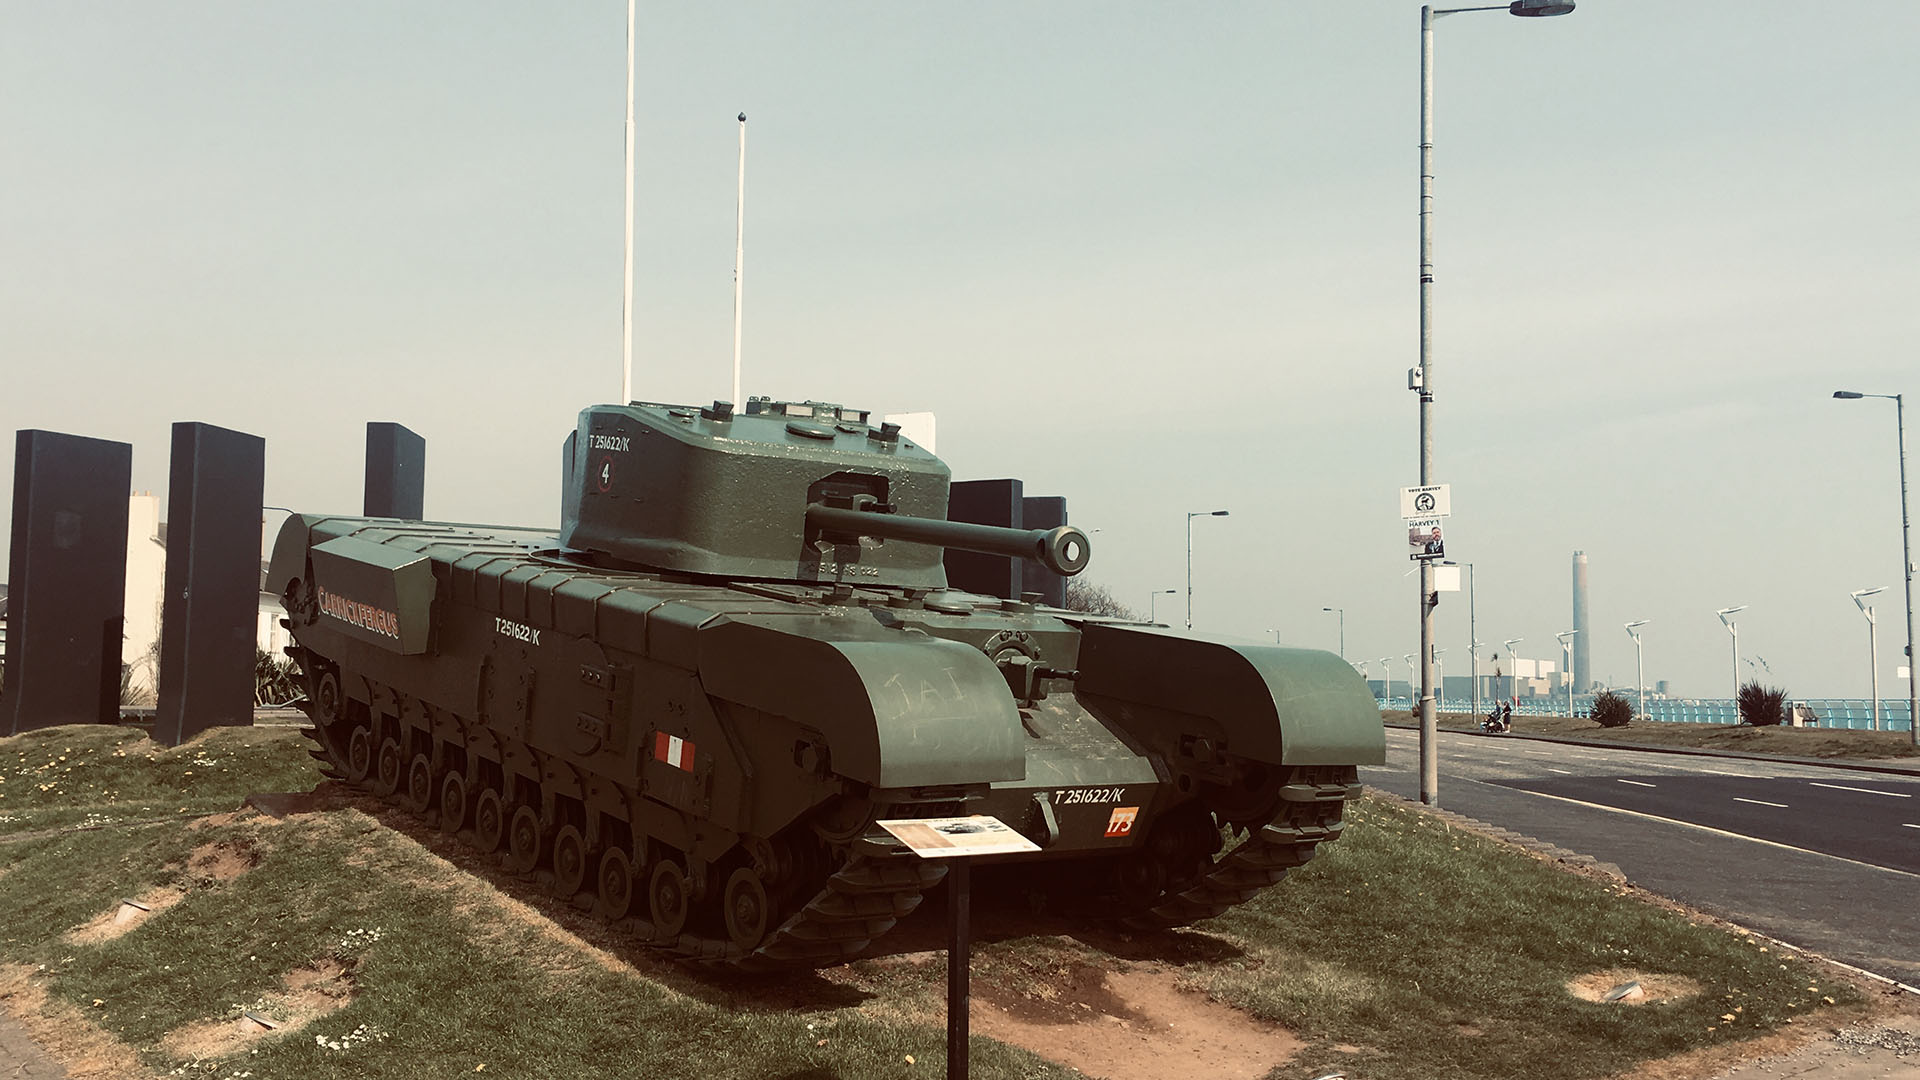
[(1825, 859)]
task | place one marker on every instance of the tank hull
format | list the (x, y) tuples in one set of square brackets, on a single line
[(709, 759)]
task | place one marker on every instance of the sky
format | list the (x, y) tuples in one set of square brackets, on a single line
[(1156, 258)]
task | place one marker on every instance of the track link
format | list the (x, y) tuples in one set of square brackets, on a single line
[(860, 901), (1311, 808)]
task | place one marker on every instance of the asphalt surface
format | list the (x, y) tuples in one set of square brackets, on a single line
[(1824, 858)]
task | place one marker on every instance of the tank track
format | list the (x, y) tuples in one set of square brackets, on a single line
[(870, 892), (1311, 807), (878, 883)]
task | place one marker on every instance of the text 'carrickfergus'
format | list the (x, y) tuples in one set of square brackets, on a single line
[(364, 616)]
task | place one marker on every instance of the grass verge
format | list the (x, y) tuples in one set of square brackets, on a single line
[(1407, 950)]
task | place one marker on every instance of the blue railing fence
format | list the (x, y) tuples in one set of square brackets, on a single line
[(1855, 714)]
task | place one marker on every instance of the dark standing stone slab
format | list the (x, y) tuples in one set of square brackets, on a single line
[(1044, 512), (207, 620), (396, 472), (67, 581), (985, 502)]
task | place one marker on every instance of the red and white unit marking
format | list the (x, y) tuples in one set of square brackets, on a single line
[(673, 750)]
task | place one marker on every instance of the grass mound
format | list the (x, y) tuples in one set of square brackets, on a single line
[(1407, 949)]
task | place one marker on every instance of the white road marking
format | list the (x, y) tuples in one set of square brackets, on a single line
[(1635, 783), (1694, 825), (1562, 772), (1909, 825), (1761, 802), (1862, 790), (1536, 753), (1717, 772)]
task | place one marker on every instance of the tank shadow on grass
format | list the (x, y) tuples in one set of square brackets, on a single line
[(1007, 905)]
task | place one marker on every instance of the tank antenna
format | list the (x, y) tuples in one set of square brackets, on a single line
[(626, 293), (739, 256)]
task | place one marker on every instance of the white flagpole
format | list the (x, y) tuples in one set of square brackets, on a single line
[(626, 296), (739, 259)]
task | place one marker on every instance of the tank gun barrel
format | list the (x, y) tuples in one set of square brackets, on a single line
[(1063, 550)]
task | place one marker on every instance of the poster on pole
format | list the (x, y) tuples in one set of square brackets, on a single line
[(1432, 501), (1425, 539)]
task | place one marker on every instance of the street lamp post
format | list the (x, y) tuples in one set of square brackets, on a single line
[(1423, 375), (1412, 674), (1153, 603), (1190, 517), (1873, 645), (1906, 556), (1566, 656), (1733, 629), (1386, 681), (1343, 629), (1639, 664), (1473, 651), (1513, 667), (1439, 680)]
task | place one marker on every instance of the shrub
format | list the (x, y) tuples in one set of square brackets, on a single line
[(1612, 710), (1762, 706), (276, 681)]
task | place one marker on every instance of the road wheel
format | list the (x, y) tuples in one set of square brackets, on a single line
[(420, 784), (615, 885), (748, 909), (569, 862), (667, 899), (328, 704), (387, 768), (453, 803), (489, 821), (526, 840), (359, 754)]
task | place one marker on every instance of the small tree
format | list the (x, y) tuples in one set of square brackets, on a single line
[(1612, 710), (1762, 706), (1096, 599)]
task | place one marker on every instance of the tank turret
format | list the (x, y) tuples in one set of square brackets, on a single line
[(786, 491)]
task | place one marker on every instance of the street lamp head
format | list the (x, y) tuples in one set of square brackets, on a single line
[(1537, 9), (1726, 611), (1219, 513), (1848, 395)]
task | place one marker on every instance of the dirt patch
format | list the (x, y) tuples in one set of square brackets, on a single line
[(125, 916), (1132, 1022), (311, 992), (223, 860), (1657, 987), (65, 1033)]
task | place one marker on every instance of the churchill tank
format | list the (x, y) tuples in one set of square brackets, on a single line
[(695, 703)]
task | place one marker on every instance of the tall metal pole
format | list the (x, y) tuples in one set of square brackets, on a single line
[(1906, 556), (739, 258), (1473, 641), (1640, 673), (1736, 664), (1429, 726), (626, 292), (1189, 571), (1906, 553), (1873, 663)]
